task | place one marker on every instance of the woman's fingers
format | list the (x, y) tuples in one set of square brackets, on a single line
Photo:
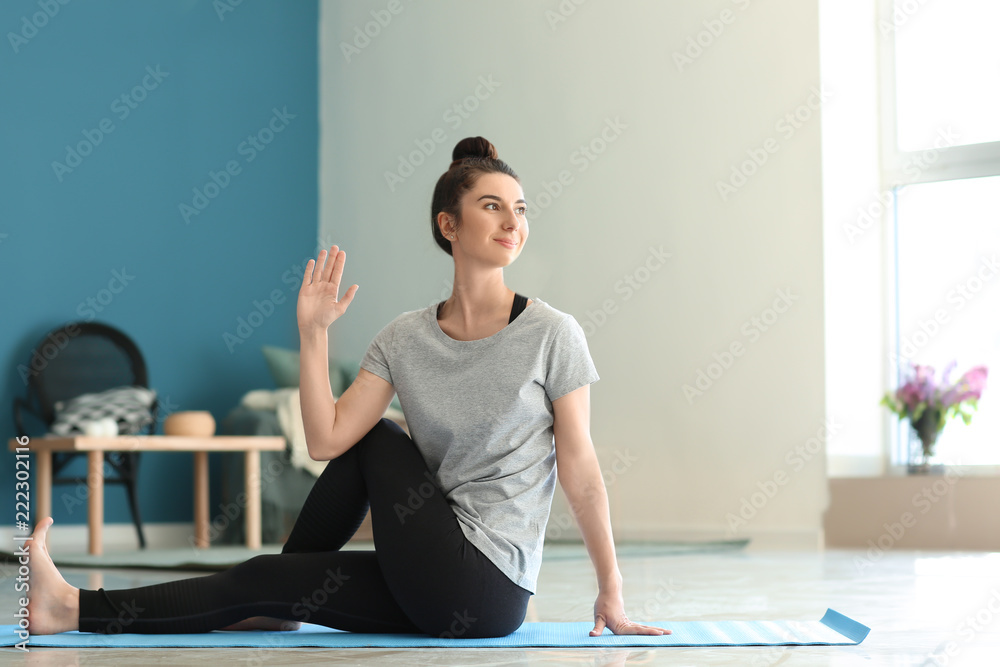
[(337, 271), (327, 267), (349, 296), (307, 274), (650, 630), (314, 269), (334, 265), (322, 262), (632, 628), (331, 260)]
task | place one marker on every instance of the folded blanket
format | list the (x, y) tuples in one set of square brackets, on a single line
[(128, 408)]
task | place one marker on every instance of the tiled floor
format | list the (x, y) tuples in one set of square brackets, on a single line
[(919, 605)]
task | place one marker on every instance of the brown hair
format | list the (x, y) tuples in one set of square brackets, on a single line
[(472, 157)]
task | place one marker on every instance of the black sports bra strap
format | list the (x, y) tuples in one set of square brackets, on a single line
[(520, 302)]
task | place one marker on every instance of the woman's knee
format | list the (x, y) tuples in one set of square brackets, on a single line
[(385, 436), (386, 428)]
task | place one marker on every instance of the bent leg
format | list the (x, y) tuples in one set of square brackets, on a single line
[(441, 580), (334, 509)]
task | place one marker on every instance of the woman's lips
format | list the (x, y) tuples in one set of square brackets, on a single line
[(509, 244)]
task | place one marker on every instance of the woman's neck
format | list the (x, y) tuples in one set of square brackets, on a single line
[(477, 300)]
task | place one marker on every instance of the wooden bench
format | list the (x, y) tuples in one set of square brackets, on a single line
[(96, 447)]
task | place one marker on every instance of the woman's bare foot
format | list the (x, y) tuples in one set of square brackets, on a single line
[(264, 623), (53, 605)]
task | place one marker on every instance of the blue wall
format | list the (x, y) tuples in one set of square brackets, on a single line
[(111, 114)]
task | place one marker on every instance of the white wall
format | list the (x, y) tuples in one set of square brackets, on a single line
[(682, 465)]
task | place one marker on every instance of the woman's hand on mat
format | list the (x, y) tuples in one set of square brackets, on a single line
[(609, 611), (319, 305)]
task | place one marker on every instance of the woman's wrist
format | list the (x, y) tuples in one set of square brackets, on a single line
[(312, 333), (610, 583)]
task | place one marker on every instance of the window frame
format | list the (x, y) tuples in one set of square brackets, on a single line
[(897, 169)]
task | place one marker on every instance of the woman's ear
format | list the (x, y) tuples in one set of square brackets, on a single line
[(446, 225)]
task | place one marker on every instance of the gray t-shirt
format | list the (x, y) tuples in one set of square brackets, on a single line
[(480, 412)]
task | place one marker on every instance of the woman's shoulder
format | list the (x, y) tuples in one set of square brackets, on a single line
[(547, 309), (405, 320), (549, 315)]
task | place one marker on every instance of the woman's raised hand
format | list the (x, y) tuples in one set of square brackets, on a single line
[(318, 305)]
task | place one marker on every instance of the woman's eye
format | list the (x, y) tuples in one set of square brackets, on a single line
[(523, 210)]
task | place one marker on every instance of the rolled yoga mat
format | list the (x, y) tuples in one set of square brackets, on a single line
[(833, 629)]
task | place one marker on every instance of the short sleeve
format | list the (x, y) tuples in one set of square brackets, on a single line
[(379, 354), (569, 365)]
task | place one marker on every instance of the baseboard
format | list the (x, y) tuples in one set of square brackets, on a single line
[(72, 538)]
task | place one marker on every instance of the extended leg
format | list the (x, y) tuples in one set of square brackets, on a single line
[(343, 590), (310, 581)]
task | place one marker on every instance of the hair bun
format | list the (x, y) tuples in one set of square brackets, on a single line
[(473, 147)]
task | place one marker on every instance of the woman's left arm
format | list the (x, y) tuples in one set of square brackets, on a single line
[(581, 480)]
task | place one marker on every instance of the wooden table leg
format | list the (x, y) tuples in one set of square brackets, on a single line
[(44, 495), (95, 503), (201, 537), (252, 487)]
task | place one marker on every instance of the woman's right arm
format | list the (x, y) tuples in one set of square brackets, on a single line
[(331, 426)]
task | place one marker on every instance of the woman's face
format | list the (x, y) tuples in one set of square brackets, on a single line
[(493, 228)]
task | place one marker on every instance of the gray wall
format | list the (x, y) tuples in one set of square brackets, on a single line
[(697, 90)]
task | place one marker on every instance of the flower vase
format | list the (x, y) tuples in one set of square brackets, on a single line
[(924, 435)]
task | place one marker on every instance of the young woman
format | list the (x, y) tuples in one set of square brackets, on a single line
[(487, 381)]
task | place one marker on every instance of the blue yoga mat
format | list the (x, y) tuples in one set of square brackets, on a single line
[(833, 629)]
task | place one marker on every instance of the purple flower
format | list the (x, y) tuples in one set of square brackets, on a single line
[(920, 392), (969, 386), (947, 371), (919, 389), (928, 405), (911, 394)]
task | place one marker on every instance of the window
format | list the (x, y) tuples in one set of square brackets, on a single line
[(939, 65)]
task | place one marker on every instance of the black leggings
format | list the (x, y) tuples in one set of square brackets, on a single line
[(423, 577)]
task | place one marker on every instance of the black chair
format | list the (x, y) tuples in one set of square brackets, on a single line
[(81, 358)]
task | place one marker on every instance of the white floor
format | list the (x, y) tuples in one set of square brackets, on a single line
[(923, 608)]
